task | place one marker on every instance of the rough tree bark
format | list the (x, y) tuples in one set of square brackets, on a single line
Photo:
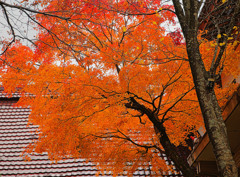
[(213, 120), (215, 126)]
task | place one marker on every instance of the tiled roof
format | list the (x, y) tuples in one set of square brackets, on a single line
[(16, 134), (5, 95)]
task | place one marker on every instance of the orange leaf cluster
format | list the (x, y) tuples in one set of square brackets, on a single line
[(83, 71)]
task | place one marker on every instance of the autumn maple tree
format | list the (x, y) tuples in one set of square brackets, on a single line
[(107, 81)]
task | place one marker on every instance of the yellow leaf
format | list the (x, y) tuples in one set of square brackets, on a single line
[(235, 43), (124, 29), (224, 35), (160, 8), (141, 62), (213, 44), (230, 38), (137, 47), (235, 27), (222, 44), (219, 36), (154, 22), (223, 1)]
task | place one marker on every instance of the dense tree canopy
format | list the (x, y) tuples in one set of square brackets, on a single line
[(109, 81)]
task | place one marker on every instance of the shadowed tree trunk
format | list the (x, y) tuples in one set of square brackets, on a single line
[(215, 126), (211, 113), (172, 152)]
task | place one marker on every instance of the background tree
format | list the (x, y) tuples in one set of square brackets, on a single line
[(109, 84)]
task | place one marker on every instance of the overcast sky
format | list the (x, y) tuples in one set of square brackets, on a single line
[(22, 25)]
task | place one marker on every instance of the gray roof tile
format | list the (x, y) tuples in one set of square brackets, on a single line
[(16, 134)]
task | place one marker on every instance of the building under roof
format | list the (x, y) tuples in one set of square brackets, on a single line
[(202, 156)]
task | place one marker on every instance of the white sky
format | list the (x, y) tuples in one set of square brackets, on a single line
[(21, 23)]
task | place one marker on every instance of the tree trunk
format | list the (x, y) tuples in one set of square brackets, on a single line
[(170, 149), (187, 14), (171, 152), (211, 111)]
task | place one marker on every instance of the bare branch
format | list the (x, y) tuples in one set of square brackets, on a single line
[(176, 102), (225, 38), (33, 11), (127, 138), (11, 27), (180, 14)]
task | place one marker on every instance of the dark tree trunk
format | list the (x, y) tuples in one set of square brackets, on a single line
[(187, 14), (211, 111), (172, 152), (170, 149)]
